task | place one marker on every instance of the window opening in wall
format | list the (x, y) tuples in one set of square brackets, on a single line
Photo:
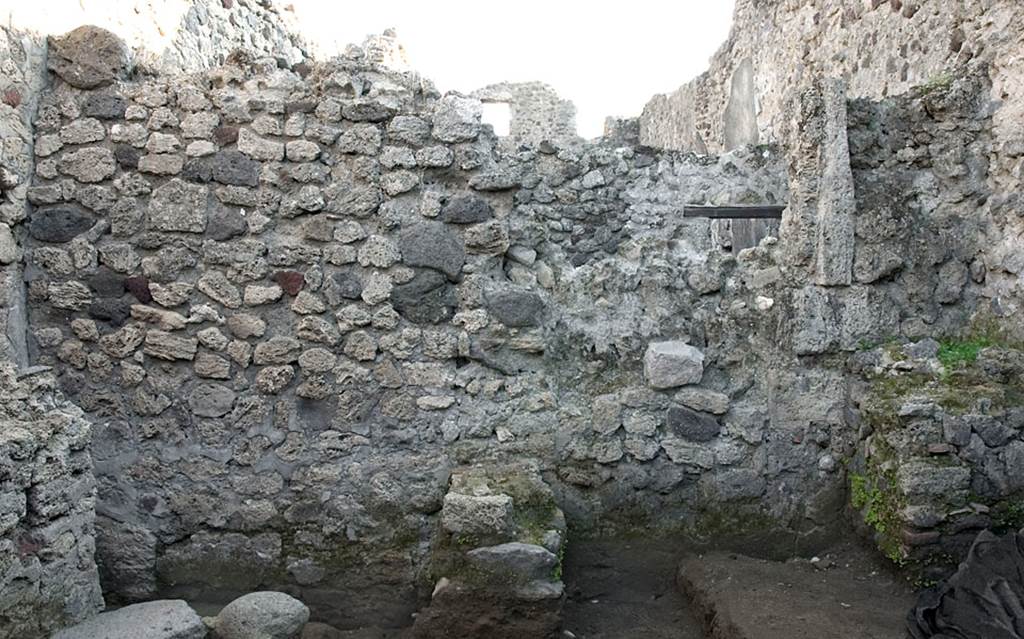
[(499, 116)]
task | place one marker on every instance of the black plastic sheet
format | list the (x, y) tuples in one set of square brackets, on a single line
[(983, 600)]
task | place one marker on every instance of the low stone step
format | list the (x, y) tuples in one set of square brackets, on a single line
[(163, 619), (739, 597)]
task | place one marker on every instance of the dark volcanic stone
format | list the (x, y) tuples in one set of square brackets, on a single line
[(59, 224), (105, 106), (433, 245), (291, 282), (113, 311), (198, 170), (516, 309), (89, 57), (235, 167), (343, 285), (127, 157), (106, 283), (139, 287), (467, 209), (224, 223), (426, 299), (691, 425)]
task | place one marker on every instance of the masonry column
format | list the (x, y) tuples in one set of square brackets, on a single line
[(836, 205)]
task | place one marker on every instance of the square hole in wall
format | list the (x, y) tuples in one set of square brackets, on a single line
[(499, 116)]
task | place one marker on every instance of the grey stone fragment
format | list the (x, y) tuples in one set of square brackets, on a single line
[(671, 364), (703, 399), (426, 299), (9, 251), (211, 400), (457, 119), (951, 280), (161, 164), (919, 478), (178, 206), (433, 245), (477, 514), (815, 327), (691, 425), (262, 615), (163, 345), (163, 619), (408, 129), (467, 209), (59, 224), (83, 131), (516, 309), (277, 350), (521, 561), (90, 164), (259, 148), (341, 286), (89, 57), (225, 222), (105, 106)]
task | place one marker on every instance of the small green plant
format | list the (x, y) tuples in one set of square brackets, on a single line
[(956, 354), (556, 572), (938, 82), (879, 501)]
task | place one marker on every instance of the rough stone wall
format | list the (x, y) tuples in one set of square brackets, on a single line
[(292, 303), (941, 449), (881, 49), (22, 59), (174, 35), (538, 113), (48, 576)]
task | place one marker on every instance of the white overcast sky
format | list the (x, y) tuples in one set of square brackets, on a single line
[(609, 58)]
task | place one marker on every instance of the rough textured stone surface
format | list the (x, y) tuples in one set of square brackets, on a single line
[(47, 508), (89, 57), (267, 615), (305, 444), (178, 206), (165, 619), (669, 364), (433, 245), (61, 224)]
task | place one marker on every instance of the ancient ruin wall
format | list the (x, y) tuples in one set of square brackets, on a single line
[(48, 575), (293, 303), (881, 49)]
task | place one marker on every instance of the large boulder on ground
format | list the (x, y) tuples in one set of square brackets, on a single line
[(163, 619), (89, 57), (262, 615)]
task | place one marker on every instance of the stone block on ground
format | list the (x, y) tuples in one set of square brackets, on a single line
[(163, 619)]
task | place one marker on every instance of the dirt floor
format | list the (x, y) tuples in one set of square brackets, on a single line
[(618, 589), (849, 592)]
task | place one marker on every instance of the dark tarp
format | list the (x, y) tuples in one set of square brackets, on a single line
[(983, 600)]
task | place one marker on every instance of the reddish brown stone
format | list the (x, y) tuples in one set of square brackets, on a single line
[(291, 282), (225, 134), (12, 97), (139, 287)]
